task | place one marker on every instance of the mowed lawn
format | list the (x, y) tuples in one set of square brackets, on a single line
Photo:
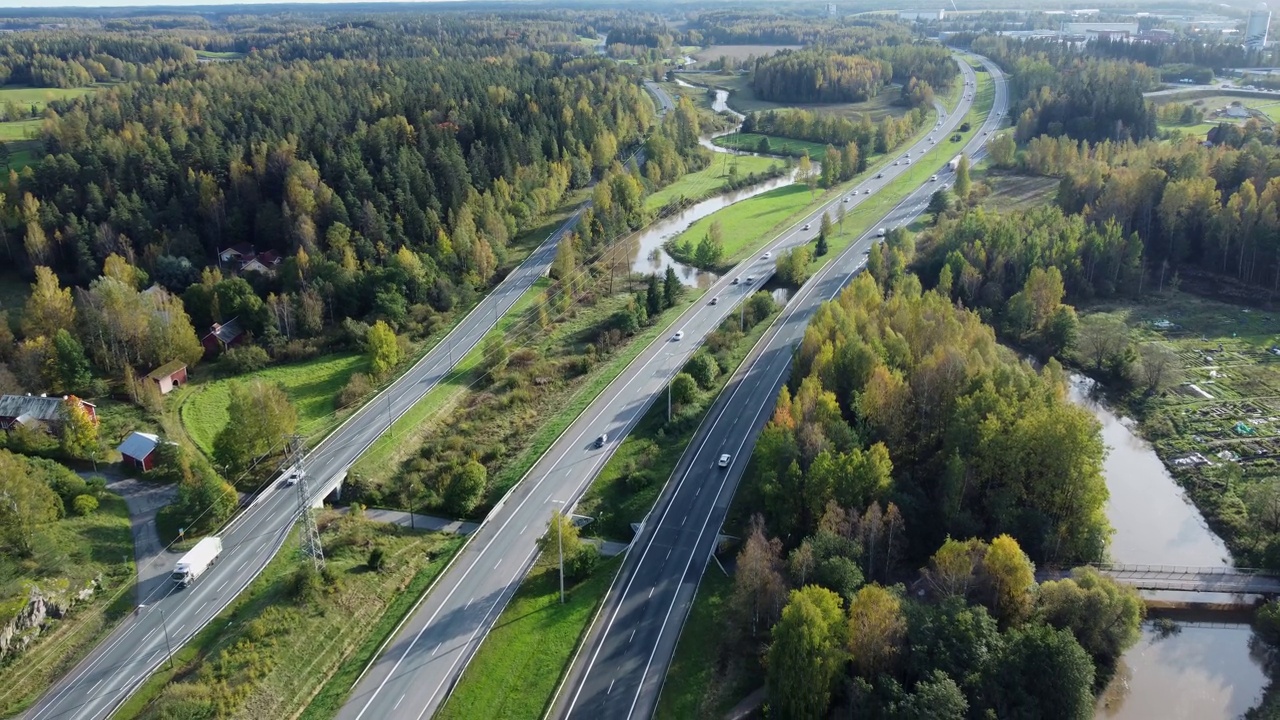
[(744, 224), (710, 180), (311, 385)]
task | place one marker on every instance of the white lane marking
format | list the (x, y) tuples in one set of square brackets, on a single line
[(610, 690), (526, 527), (437, 647), (633, 636), (399, 701), (651, 592), (499, 564), (469, 603)]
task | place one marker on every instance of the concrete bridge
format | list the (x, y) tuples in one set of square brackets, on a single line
[(1234, 581)]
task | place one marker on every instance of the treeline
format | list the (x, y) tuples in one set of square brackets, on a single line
[(817, 76), (769, 27), (1058, 91), (1186, 51), (828, 128), (65, 60), (922, 61), (907, 399)]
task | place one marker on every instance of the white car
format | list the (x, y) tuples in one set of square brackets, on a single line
[(933, 179), (766, 256), (751, 279), (806, 225), (678, 336), (724, 460), (292, 477), (868, 191)]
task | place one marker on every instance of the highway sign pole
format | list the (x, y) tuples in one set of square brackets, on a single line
[(560, 543), (167, 645), (669, 400)]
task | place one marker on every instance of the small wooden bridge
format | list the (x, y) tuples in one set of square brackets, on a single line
[(1230, 580)]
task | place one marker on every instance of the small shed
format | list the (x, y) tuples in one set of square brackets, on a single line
[(169, 376), (139, 450), (222, 336)]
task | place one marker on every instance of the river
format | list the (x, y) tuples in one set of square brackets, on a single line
[(1201, 672)]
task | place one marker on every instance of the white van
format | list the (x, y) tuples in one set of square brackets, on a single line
[(882, 232)]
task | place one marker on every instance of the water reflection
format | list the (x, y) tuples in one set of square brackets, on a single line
[(1200, 673)]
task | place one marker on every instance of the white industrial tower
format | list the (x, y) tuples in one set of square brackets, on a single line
[(1255, 30)]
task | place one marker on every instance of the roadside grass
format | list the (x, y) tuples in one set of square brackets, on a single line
[(629, 484), (710, 180), (701, 681), (69, 554), (380, 461), (777, 145), (515, 672), (312, 385), (275, 647)]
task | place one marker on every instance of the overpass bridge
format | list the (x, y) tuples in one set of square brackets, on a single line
[(1228, 580)]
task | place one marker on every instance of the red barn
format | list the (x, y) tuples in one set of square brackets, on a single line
[(169, 376), (139, 450)]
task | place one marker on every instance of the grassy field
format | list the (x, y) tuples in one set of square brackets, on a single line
[(1011, 192), (739, 52), (1211, 103), (26, 96), (515, 672), (629, 484), (701, 682), (710, 180), (777, 145), (220, 55), (746, 224), (18, 131), (312, 385), (69, 554), (275, 647)]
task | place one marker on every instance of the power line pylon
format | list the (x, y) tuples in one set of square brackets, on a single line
[(311, 546)]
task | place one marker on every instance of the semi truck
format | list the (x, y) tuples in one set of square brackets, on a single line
[(954, 164), (197, 560)]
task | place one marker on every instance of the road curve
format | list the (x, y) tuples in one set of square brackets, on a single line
[(620, 669), (120, 663)]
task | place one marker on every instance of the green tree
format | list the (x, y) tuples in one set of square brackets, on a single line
[(1003, 149), (806, 655), (1012, 579), (264, 420), (653, 297), (494, 354), (1104, 616), (877, 630), (72, 366), (939, 204), (684, 389), (466, 488), (762, 147), (26, 503), (950, 636), (671, 288), (84, 505), (805, 173), (702, 367), (384, 349), (1019, 684), (831, 167), (937, 697)]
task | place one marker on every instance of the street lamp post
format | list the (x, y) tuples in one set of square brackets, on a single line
[(560, 544), (167, 645)]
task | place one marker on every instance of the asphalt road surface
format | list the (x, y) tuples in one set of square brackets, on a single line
[(119, 664), (620, 670), (417, 669)]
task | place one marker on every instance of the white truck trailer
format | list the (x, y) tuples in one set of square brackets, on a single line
[(197, 560)]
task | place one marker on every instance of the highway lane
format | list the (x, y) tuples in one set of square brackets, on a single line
[(115, 668), (664, 99), (620, 670), (416, 671)]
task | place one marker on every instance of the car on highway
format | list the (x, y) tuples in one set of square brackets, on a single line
[(906, 162), (714, 301), (806, 225), (751, 279), (291, 478), (933, 179), (895, 162), (724, 460), (736, 281), (868, 191), (844, 199), (766, 256), (600, 441), (879, 175), (678, 336)]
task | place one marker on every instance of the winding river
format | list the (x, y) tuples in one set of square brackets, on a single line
[(1206, 671)]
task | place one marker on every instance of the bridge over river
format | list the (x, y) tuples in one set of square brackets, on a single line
[(1234, 581)]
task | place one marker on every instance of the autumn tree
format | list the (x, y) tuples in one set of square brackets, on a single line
[(963, 184), (79, 430), (759, 589), (807, 653), (49, 307), (877, 630), (1011, 579), (1104, 616), (26, 503), (384, 349)]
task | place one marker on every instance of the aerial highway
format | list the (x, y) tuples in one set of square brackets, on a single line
[(619, 671), (417, 669), (115, 668)]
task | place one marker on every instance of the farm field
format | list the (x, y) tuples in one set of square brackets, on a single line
[(739, 52), (312, 385), (710, 180)]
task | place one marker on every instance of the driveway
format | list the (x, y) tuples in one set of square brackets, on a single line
[(144, 500)]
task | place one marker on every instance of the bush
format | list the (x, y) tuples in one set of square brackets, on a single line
[(377, 559), (246, 359), (357, 388), (582, 562), (305, 584), (84, 505)]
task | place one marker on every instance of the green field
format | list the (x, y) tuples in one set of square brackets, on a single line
[(777, 145), (68, 554), (220, 55), (19, 130), (312, 385), (743, 99), (515, 672), (27, 96), (1011, 192), (710, 180), (269, 652), (1211, 103), (749, 222)]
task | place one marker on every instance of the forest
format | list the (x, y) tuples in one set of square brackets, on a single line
[(814, 76), (835, 129), (904, 430)]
